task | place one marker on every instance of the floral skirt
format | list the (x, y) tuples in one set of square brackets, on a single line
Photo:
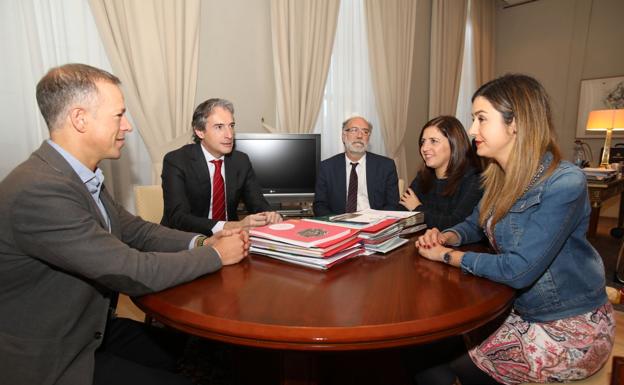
[(564, 350)]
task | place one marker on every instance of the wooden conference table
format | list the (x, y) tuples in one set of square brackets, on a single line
[(372, 302)]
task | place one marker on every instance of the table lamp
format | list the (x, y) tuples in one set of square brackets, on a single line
[(609, 121)]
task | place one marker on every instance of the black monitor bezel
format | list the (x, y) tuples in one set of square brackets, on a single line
[(282, 136)]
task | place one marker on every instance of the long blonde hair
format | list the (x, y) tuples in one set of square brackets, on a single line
[(523, 100)]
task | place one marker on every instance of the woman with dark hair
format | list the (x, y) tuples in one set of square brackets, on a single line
[(535, 213), (447, 188)]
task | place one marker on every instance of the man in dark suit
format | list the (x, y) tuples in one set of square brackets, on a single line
[(199, 199), (356, 179), (66, 249)]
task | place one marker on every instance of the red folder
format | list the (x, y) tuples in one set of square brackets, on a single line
[(304, 233), (317, 252)]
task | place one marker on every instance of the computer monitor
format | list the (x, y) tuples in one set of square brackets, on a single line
[(286, 165)]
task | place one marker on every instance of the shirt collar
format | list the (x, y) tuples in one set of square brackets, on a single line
[(361, 162), (92, 180), (209, 157)]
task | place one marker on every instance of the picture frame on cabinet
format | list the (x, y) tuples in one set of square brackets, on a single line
[(598, 94)]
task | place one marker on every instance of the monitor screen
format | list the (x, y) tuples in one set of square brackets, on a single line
[(285, 164)]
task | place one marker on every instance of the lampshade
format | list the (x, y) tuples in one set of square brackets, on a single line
[(601, 120), (606, 120)]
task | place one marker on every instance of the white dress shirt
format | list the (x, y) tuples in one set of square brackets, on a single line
[(211, 169)]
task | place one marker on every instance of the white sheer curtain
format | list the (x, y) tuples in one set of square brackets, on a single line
[(34, 36), (478, 57), (468, 82), (349, 89)]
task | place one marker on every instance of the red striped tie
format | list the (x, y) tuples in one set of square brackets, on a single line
[(218, 192)]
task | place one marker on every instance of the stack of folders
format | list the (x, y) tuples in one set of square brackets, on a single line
[(599, 174), (384, 240), (379, 229), (310, 244)]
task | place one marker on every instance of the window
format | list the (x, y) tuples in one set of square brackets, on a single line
[(349, 88)]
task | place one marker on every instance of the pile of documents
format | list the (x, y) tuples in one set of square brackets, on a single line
[(323, 242), (599, 174), (379, 229), (306, 243)]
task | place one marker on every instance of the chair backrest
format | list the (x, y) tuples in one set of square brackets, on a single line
[(149, 202), (401, 186)]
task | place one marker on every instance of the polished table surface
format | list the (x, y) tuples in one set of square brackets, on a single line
[(370, 302)]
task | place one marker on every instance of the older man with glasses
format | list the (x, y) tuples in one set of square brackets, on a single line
[(356, 179)]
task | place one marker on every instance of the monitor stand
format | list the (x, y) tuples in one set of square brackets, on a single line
[(287, 209), (294, 209)]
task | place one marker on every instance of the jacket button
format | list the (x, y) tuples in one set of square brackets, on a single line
[(97, 335)]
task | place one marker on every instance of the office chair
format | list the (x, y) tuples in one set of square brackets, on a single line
[(148, 201)]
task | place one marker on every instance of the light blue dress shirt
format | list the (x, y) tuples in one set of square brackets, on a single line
[(93, 180)]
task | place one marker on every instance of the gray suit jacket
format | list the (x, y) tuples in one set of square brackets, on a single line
[(60, 267)]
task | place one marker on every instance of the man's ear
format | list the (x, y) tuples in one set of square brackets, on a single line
[(78, 117), (199, 134)]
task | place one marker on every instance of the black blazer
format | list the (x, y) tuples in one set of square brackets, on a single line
[(186, 189), (330, 195)]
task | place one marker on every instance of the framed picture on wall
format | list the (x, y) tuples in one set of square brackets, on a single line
[(599, 94)]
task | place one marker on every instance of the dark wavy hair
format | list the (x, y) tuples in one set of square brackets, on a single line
[(204, 110), (462, 154)]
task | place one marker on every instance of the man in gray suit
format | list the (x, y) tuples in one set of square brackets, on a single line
[(66, 248)]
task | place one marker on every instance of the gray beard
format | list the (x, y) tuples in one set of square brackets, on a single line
[(355, 150)]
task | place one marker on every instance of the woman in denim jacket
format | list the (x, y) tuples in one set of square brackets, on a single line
[(535, 213)]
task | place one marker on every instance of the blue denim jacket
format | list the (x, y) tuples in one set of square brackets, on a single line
[(544, 252)]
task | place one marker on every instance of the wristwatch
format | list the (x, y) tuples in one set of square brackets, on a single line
[(446, 258), (199, 241)]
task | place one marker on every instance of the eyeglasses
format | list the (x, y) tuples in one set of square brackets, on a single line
[(356, 130)]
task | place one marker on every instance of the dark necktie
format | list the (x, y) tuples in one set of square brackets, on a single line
[(218, 192), (352, 194)]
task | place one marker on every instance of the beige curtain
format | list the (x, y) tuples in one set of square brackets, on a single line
[(483, 14), (153, 48), (391, 26), (303, 37), (448, 25)]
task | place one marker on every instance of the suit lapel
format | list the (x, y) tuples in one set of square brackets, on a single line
[(341, 184), (200, 168), (231, 181), (109, 205), (370, 176), (56, 161)]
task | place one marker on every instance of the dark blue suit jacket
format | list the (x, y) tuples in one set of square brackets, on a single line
[(330, 196)]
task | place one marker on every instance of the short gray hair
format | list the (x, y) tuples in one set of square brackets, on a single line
[(350, 118), (63, 86), (204, 110)]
